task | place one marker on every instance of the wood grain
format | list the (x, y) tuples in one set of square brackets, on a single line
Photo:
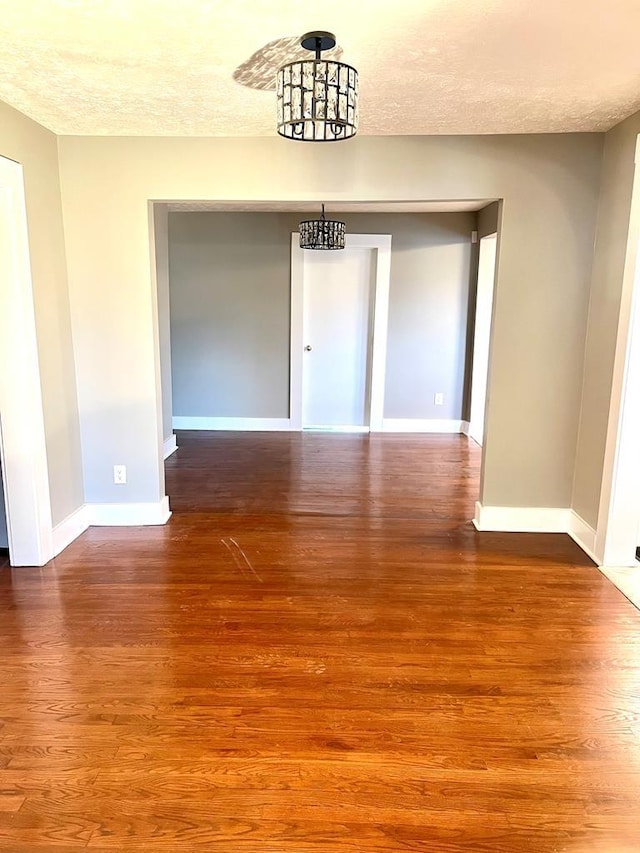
[(318, 653)]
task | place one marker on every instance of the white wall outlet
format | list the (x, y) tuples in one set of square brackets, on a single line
[(438, 399), (120, 474)]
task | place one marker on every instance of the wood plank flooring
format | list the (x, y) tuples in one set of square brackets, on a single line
[(318, 654)]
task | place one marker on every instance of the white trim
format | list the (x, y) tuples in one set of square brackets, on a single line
[(522, 519), (583, 535), (128, 515), (619, 508), (155, 328), (533, 519), (434, 425), (22, 444), (169, 446), (296, 342), (242, 424), (108, 515), (332, 428), (381, 244), (68, 530), (487, 263)]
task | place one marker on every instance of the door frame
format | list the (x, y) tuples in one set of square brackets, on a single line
[(493, 236), (618, 524), (381, 246), (22, 438)]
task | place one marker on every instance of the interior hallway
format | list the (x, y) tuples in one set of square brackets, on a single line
[(318, 653)]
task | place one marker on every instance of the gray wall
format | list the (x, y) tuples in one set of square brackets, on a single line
[(229, 285), (428, 302), (606, 290), (230, 304), (549, 186), (4, 538), (37, 150), (488, 219)]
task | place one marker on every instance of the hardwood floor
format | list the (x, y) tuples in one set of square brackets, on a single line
[(319, 654)]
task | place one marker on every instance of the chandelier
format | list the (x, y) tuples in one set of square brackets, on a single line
[(317, 98), (322, 233)]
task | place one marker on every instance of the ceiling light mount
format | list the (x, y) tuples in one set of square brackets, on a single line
[(317, 98), (322, 233), (318, 41)]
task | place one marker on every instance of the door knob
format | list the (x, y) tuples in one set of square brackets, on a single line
[(307, 348)]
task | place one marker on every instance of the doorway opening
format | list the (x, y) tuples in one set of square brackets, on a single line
[(339, 321), (403, 343), (23, 457)]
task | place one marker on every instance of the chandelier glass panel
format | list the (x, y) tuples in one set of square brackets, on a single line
[(317, 98)]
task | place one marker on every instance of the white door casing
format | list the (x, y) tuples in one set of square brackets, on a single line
[(380, 246), (22, 444), (618, 522), (482, 336)]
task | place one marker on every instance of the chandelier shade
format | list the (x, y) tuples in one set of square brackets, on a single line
[(322, 233), (317, 99)]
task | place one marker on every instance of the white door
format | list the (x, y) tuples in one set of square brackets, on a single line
[(337, 303), (484, 307)]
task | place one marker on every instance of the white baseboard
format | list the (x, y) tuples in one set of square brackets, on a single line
[(242, 424), (321, 428), (528, 519), (522, 519), (66, 531), (128, 515), (170, 446), (583, 535), (107, 515), (465, 426), (422, 425)]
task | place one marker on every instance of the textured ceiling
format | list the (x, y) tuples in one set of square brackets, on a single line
[(331, 207), (190, 68)]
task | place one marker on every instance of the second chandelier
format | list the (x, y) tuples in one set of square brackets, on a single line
[(322, 233)]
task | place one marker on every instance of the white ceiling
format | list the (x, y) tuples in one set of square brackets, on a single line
[(166, 67), (331, 207)]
